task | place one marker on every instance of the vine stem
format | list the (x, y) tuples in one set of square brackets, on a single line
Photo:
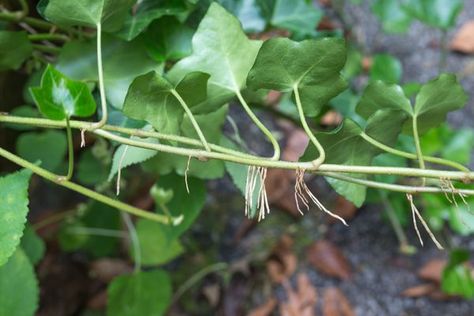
[(85, 191), (408, 155), (134, 240), (322, 154), (48, 37), (46, 49), (192, 119), (70, 155), (100, 70), (268, 134), (419, 153)]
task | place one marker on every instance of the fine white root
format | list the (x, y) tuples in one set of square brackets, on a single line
[(83, 138), (302, 191), (119, 171), (448, 187), (186, 174), (415, 211), (255, 174)]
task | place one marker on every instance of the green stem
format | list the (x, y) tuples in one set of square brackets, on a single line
[(134, 241), (419, 153), (408, 155), (53, 219), (47, 49), (70, 145), (24, 8), (192, 119), (322, 154), (48, 37), (397, 227), (82, 190), (254, 118), (100, 70)]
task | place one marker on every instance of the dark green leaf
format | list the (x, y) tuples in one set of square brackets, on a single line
[(150, 98), (110, 13), (47, 147), (438, 13), (386, 68), (393, 18), (313, 66), (59, 97), (13, 211), (19, 291), (15, 48), (141, 293), (457, 278), (221, 49), (33, 246), (90, 170)]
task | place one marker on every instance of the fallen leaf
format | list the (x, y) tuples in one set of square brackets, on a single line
[(296, 144), (265, 309), (343, 208), (326, 24), (280, 189), (464, 39), (329, 259), (335, 303), (213, 294), (282, 262), (367, 63), (273, 97), (331, 118), (98, 301), (301, 302), (420, 290), (107, 269), (432, 270)]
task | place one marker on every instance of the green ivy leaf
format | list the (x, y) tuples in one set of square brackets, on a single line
[(59, 97), (313, 66), (90, 170), (141, 293), (344, 146), (48, 147), (437, 13), (15, 48), (188, 205), (13, 211), (221, 49), (386, 68), (155, 246), (150, 98), (66, 13), (394, 19), (19, 291), (457, 278), (33, 246), (123, 61), (247, 11), (298, 16), (146, 13)]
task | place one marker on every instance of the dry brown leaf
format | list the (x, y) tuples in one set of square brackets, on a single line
[(282, 262), (213, 294), (265, 309), (331, 118), (301, 302), (420, 290), (279, 185), (335, 303), (367, 63), (296, 144), (464, 39), (107, 269), (328, 259), (433, 270), (343, 208)]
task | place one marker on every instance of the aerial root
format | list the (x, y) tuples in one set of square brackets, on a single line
[(448, 187), (414, 212), (186, 174), (255, 174), (83, 138), (302, 192), (119, 171)]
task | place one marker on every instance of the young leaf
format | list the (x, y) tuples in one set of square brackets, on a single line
[(393, 18), (298, 16), (146, 13), (141, 293), (437, 13), (33, 246), (123, 61), (155, 246), (313, 66), (19, 291), (59, 97), (15, 48), (150, 98), (66, 13), (221, 49), (386, 68), (457, 278), (48, 147), (13, 211)]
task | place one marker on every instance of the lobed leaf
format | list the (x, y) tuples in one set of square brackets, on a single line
[(15, 48), (437, 13)]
